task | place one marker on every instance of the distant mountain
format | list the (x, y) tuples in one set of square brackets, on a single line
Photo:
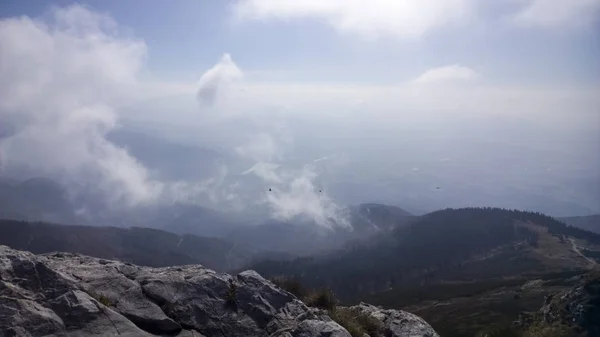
[(35, 199), (587, 222), (308, 238), (142, 246), (176, 218), (41, 199), (446, 255), (376, 218)]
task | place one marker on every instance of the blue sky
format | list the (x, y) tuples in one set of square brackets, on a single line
[(497, 100), (185, 37)]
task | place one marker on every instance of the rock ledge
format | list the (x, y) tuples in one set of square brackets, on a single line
[(64, 294)]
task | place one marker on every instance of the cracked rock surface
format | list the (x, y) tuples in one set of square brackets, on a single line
[(65, 294)]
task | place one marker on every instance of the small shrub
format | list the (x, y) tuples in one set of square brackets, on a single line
[(102, 299), (290, 285), (322, 299), (230, 297), (356, 322), (371, 325), (347, 321), (548, 331), (500, 331)]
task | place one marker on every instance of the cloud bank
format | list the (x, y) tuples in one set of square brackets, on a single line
[(61, 83), (64, 82)]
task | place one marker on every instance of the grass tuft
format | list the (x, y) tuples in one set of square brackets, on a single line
[(104, 300), (230, 297), (357, 323), (322, 299)]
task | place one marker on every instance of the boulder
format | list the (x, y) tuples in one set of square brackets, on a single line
[(397, 323)]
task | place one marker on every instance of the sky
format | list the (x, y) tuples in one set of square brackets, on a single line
[(495, 100)]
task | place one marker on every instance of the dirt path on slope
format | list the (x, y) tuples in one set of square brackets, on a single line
[(576, 250)]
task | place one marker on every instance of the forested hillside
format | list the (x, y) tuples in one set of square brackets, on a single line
[(474, 260)]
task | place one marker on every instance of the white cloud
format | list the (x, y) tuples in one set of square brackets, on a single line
[(401, 18), (558, 13), (294, 193), (266, 172), (414, 18), (454, 72), (217, 79)]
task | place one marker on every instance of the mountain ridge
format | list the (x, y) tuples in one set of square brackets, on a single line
[(143, 246)]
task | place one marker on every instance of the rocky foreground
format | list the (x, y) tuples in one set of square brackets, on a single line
[(64, 294)]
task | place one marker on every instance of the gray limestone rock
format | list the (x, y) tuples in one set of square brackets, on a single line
[(65, 294)]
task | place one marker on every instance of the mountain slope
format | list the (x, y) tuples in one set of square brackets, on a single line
[(142, 246), (435, 244), (435, 264)]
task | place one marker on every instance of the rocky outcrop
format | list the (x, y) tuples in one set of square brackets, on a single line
[(64, 294), (578, 307), (572, 312), (397, 323)]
